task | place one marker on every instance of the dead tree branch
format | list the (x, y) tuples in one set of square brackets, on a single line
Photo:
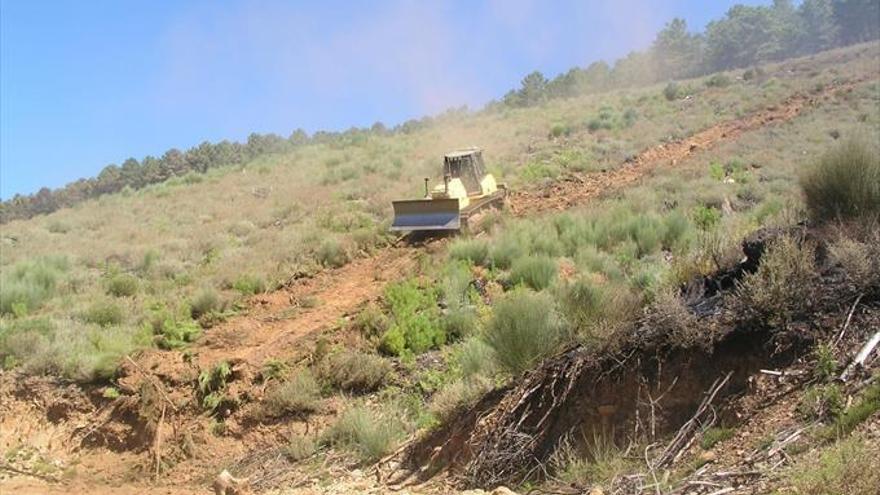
[(861, 357), (686, 434)]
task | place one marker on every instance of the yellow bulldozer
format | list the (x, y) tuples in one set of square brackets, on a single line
[(466, 190)]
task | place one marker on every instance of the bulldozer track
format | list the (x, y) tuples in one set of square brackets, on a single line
[(277, 320), (577, 189)]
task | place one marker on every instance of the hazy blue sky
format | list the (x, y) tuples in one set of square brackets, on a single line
[(91, 82)]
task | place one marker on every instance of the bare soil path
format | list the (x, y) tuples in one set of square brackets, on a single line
[(278, 320), (577, 189)]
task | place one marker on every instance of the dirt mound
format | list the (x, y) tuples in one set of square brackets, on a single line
[(641, 388)]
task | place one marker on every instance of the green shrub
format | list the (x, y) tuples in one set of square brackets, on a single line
[(718, 81), (849, 466), (273, 369), (475, 251), (537, 272), (860, 261), (415, 322), (629, 117), (104, 313), (248, 284), (538, 170), (474, 357), (605, 120), (592, 260), (299, 448), (647, 232), (781, 288), (148, 262), (753, 73), (582, 302), (504, 251), (715, 435), (26, 286), (867, 404), (393, 341), (355, 371), (675, 232), (669, 315), (367, 435), (706, 217), (600, 465), (822, 402), (844, 183), (559, 130), (299, 394), (524, 329), (69, 348), (122, 285), (458, 291), (597, 310), (459, 395), (173, 331), (459, 323), (212, 386), (58, 227), (648, 275), (671, 91), (331, 253), (371, 322), (204, 302), (368, 238), (826, 364), (420, 333), (716, 171)]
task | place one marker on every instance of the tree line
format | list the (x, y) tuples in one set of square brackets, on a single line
[(744, 37)]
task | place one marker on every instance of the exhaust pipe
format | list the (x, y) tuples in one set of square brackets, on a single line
[(427, 195)]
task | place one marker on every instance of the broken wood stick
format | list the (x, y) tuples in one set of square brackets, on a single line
[(12, 469), (158, 444), (848, 319), (684, 438), (153, 383), (861, 357)]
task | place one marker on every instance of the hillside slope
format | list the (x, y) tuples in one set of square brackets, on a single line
[(684, 179)]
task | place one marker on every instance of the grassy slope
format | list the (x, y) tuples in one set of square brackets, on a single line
[(261, 219), (324, 204)]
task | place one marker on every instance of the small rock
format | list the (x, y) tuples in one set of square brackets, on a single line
[(596, 490), (357, 473), (503, 490), (708, 456), (475, 491), (226, 484)]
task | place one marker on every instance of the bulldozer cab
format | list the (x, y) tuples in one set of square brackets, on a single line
[(466, 165), (466, 189)]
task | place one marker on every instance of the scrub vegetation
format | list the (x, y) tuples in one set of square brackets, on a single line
[(155, 255)]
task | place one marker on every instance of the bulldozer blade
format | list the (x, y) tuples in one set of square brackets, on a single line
[(426, 214)]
